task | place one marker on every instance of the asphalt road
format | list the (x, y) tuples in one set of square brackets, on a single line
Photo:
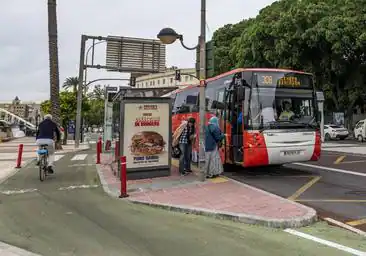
[(54, 218), (335, 194)]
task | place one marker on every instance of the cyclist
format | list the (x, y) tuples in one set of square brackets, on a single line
[(45, 136)]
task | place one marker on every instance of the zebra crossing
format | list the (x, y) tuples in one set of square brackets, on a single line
[(75, 157)]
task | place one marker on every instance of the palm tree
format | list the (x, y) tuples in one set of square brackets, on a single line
[(71, 82), (53, 60)]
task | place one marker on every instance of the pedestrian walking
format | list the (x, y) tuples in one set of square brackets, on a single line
[(213, 141), (185, 136)]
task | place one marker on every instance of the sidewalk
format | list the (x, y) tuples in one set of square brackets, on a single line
[(220, 198)]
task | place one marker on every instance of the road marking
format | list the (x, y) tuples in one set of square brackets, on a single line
[(304, 188), (331, 169), (356, 222), (58, 157), (78, 186), (348, 227), (79, 157), (7, 249), (79, 165), (20, 191), (219, 180), (339, 159), (331, 200), (353, 162), (326, 242)]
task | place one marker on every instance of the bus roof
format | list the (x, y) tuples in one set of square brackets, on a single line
[(240, 70), (255, 69)]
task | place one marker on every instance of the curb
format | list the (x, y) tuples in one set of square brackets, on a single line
[(296, 222), (16, 170), (243, 218), (104, 183)]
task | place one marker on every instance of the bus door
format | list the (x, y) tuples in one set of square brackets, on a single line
[(241, 96), (225, 117), (237, 126)]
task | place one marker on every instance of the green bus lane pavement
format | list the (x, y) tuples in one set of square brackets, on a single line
[(84, 220)]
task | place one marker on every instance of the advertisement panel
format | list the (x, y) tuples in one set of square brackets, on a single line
[(146, 134)]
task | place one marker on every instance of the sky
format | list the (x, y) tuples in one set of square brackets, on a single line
[(24, 66)]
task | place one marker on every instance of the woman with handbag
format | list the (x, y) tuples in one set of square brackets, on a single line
[(213, 141)]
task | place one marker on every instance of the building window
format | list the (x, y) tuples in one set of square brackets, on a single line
[(158, 81), (191, 78), (171, 80), (186, 78), (163, 80), (153, 82)]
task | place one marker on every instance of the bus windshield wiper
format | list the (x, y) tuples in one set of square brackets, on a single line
[(274, 123)]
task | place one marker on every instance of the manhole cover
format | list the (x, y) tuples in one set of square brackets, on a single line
[(357, 192)]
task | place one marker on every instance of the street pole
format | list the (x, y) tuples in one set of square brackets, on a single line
[(80, 91), (202, 45)]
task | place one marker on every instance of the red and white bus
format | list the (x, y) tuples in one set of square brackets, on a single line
[(269, 116)]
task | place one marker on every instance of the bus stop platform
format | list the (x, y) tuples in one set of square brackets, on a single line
[(221, 198)]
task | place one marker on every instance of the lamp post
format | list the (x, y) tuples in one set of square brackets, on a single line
[(320, 100), (169, 36)]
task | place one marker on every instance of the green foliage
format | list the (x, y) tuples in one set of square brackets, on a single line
[(92, 107), (95, 116), (327, 38), (67, 107), (71, 82)]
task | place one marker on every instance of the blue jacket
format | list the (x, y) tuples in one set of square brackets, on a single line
[(213, 136), (47, 129)]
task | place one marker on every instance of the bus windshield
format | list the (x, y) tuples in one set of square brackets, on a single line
[(279, 101)]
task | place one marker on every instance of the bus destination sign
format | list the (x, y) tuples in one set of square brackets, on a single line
[(284, 80)]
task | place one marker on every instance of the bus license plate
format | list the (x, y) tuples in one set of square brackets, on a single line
[(292, 153)]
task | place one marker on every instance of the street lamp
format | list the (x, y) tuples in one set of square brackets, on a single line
[(169, 36)]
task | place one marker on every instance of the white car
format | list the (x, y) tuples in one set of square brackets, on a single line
[(360, 130), (332, 131)]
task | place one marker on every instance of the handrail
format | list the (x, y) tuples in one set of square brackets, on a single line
[(27, 123)]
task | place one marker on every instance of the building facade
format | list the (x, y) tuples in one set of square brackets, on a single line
[(25, 110), (167, 78)]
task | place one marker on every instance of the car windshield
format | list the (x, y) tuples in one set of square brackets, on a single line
[(274, 108)]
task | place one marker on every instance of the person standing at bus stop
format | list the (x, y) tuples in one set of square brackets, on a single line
[(186, 140), (214, 137)]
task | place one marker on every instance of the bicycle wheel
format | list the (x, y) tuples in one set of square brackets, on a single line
[(42, 168)]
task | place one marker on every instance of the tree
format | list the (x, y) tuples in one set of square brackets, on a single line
[(97, 93), (95, 116), (327, 38), (53, 60), (67, 107), (71, 82)]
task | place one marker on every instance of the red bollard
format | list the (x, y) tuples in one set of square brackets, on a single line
[(20, 153), (99, 150), (116, 151), (123, 178)]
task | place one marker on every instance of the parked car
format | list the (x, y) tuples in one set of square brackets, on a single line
[(332, 131), (360, 130)]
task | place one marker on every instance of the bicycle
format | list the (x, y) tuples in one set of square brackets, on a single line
[(43, 162)]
